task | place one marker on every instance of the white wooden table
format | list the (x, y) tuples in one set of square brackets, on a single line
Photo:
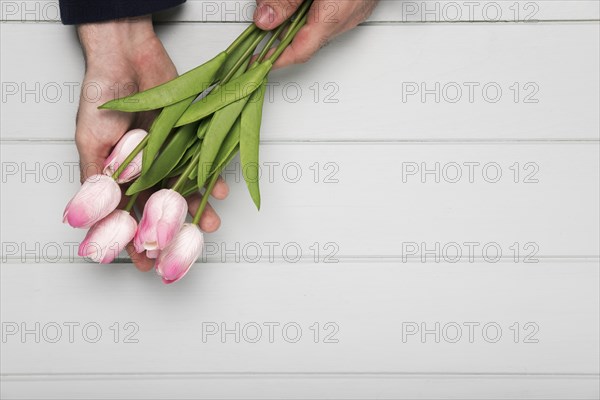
[(429, 229)]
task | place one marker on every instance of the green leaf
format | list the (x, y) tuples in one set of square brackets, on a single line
[(194, 172), (167, 161), (202, 130), (249, 141), (228, 156), (192, 83), (220, 124), (233, 91), (230, 144), (187, 156), (160, 129)]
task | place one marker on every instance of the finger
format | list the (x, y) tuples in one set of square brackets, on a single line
[(270, 14), (322, 23), (221, 189), (140, 260), (91, 154), (337, 17), (89, 164), (267, 55), (210, 220), (144, 119), (97, 131), (326, 19), (305, 45)]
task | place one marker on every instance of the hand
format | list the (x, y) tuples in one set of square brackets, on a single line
[(122, 57), (326, 19)]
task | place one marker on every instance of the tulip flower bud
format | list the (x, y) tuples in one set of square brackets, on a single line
[(108, 237), (98, 196), (126, 145), (176, 259), (164, 214)]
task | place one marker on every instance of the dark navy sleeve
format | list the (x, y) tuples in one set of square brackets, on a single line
[(82, 11)]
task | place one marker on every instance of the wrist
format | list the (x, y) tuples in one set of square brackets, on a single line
[(120, 39)]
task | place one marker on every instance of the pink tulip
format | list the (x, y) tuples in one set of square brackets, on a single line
[(124, 148), (108, 237), (164, 213), (98, 196), (176, 259)]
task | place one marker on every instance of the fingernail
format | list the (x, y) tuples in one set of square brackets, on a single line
[(265, 15)]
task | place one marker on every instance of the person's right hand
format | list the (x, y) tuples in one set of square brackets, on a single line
[(326, 20), (122, 57)]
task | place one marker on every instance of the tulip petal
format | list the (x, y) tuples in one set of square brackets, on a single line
[(175, 261), (164, 214), (108, 237), (122, 150), (98, 196)]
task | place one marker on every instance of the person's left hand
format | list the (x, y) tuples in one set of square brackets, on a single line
[(121, 57)]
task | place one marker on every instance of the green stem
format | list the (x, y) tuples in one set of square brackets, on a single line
[(130, 157), (183, 177), (131, 202), (204, 200), (272, 39), (189, 191), (179, 185), (241, 38), (248, 53), (297, 23), (231, 47), (242, 59)]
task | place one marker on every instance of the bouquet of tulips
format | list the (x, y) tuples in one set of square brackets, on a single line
[(207, 115)]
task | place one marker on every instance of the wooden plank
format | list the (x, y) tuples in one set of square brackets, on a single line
[(188, 386), (387, 11), (356, 88), (372, 309), (352, 200)]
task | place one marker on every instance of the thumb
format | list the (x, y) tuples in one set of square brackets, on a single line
[(270, 14), (96, 133), (91, 160)]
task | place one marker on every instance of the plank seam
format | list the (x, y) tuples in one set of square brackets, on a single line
[(369, 23), (304, 374), (20, 141), (408, 260)]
